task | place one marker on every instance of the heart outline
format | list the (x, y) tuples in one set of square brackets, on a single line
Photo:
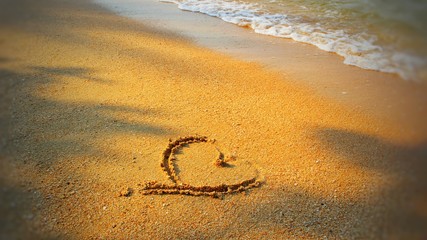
[(168, 166)]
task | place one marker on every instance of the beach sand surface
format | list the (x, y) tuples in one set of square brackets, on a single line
[(90, 99)]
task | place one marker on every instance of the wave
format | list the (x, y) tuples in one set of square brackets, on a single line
[(359, 49)]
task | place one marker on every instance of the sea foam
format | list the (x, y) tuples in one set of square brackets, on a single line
[(359, 49)]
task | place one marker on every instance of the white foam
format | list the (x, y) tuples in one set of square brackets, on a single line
[(359, 49)]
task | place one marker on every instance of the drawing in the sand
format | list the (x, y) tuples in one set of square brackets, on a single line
[(179, 187)]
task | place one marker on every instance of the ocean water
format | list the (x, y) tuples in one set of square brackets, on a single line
[(383, 35)]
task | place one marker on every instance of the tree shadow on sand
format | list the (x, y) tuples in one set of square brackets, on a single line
[(291, 211), (406, 164), (66, 126), (16, 212), (76, 72), (294, 212)]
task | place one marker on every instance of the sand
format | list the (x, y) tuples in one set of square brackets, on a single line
[(89, 101), (380, 94)]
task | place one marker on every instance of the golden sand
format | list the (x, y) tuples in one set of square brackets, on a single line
[(89, 100)]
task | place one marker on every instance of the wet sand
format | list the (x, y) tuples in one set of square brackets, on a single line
[(90, 99), (379, 94)]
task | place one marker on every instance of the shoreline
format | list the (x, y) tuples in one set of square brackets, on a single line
[(89, 100), (382, 95)]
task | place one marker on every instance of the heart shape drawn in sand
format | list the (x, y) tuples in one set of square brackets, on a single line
[(168, 164)]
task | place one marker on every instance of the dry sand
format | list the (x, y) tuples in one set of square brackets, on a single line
[(89, 100)]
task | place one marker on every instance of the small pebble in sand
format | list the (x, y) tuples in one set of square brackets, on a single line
[(220, 163), (126, 192)]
